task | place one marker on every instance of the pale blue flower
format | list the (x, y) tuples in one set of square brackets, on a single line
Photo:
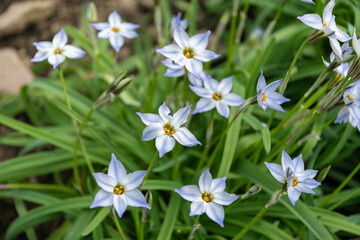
[(216, 95), (166, 129), (346, 114), (343, 68), (292, 174), (119, 188), (328, 25), (56, 51), (116, 30), (208, 197), (266, 95), (198, 80), (173, 69), (177, 22), (189, 52)]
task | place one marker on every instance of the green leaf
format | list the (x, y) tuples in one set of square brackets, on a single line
[(100, 216)]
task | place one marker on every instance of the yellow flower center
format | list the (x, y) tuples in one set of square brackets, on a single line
[(119, 189), (207, 197), (115, 29), (168, 129), (188, 53), (349, 97), (324, 25), (58, 51), (264, 97), (216, 96), (295, 181)]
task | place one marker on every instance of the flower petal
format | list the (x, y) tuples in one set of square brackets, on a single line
[(185, 137), (328, 11), (100, 26), (102, 199), (343, 115), (211, 83), (312, 20), (40, 56), (218, 185), (135, 198), (233, 99), (204, 105), (152, 131), (56, 59), (200, 91), (261, 84), (286, 163), (205, 181), (73, 52), (180, 117), (105, 182), (225, 86), (181, 38), (194, 66), (298, 164), (174, 72), (293, 194), (116, 169), (164, 113), (216, 213), (128, 34), (310, 183), (106, 33), (199, 42), (303, 188), (335, 46), (222, 108), (43, 46), (132, 180), (197, 208), (277, 171), (171, 51), (190, 193), (206, 55), (149, 118), (116, 41), (128, 26), (224, 198), (194, 80), (355, 43), (114, 19), (120, 204), (273, 86), (60, 39), (164, 144), (171, 64), (273, 104)]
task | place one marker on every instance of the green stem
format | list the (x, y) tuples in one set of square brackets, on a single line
[(192, 231), (152, 163), (75, 165), (37, 186), (118, 227), (250, 224), (351, 195), (78, 141), (341, 186), (287, 76), (231, 43)]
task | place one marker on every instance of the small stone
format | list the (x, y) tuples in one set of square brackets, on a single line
[(21, 14), (13, 71)]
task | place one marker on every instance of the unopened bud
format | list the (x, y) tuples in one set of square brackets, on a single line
[(91, 13), (316, 35), (336, 79), (354, 69), (193, 230), (255, 189), (112, 211), (145, 211), (275, 198), (322, 175)]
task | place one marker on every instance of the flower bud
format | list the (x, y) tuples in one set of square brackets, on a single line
[(255, 189), (91, 13), (322, 175), (354, 69), (275, 198), (316, 35), (145, 211)]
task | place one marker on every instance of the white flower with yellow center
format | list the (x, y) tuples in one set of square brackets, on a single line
[(119, 188), (266, 95), (292, 174), (116, 30), (56, 51), (208, 197), (166, 129)]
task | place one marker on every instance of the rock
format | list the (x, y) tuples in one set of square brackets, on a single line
[(13, 72), (21, 14)]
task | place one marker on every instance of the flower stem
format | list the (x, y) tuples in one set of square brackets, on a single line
[(194, 227), (118, 227), (75, 165), (287, 76), (250, 224), (152, 163), (231, 43), (341, 186)]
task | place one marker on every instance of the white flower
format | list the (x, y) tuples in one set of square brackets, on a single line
[(266, 95), (209, 198), (198, 81), (177, 22), (356, 43), (189, 52), (343, 68), (328, 25), (166, 129), (119, 188), (215, 94), (308, 1), (293, 175), (345, 115), (173, 69), (116, 30), (57, 50)]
